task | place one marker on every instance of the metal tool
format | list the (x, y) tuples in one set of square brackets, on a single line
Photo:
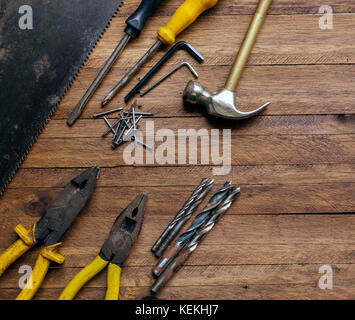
[(222, 103), (115, 251), (116, 125), (211, 220), (182, 217), (143, 113), (184, 64), (39, 65), (131, 134), (99, 115), (133, 137), (135, 24), (122, 130), (178, 46), (183, 17), (49, 230), (198, 221), (117, 138), (109, 125)]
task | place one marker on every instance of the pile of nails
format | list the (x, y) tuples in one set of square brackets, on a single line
[(125, 128)]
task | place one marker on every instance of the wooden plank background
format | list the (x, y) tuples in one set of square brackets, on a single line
[(295, 162)]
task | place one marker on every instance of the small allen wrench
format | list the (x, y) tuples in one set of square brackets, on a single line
[(184, 64), (182, 45)]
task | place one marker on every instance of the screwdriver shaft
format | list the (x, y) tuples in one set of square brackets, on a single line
[(95, 84), (131, 73)]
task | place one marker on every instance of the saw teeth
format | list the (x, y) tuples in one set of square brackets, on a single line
[(61, 96)]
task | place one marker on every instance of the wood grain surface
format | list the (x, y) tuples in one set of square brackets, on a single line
[(294, 163)]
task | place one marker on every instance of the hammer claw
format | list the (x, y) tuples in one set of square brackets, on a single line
[(221, 103)]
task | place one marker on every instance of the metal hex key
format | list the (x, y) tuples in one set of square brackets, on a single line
[(184, 64), (178, 46)]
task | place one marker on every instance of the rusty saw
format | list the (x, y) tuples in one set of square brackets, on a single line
[(43, 45)]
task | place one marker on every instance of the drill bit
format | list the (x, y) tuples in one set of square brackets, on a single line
[(182, 217), (198, 221), (175, 265)]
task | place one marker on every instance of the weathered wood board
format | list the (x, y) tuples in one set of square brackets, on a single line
[(295, 162)]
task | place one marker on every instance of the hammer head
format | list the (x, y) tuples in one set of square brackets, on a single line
[(219, 104)]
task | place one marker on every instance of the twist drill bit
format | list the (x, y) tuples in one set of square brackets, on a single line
[(175, 265), (198, 221), (182, 217), (185, 216)]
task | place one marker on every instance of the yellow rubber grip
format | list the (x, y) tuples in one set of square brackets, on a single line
[(46, 256), (183, 17), (18, 248), (86, 274), (113, 282)]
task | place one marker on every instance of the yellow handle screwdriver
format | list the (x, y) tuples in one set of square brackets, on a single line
[(183, 17)]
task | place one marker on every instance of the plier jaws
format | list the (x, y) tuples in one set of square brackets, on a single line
[(59, 217), (114, 252), (124, 232), (49, 230)]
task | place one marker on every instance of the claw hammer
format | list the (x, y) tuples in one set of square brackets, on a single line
[(222, 103)]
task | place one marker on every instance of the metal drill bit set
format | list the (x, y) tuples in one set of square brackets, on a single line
[(171, 259), (126, 127)]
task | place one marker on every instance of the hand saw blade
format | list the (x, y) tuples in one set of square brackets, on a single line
[(43, 45)]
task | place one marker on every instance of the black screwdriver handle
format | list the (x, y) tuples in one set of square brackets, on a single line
[(137, 20)]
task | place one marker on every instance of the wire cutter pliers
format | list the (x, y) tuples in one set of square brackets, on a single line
[(49, 230), (114, 252)]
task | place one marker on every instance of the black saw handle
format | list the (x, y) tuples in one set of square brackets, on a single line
[(137, 20)]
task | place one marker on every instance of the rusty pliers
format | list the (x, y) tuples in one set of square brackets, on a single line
[(114, 252), (49, 230)]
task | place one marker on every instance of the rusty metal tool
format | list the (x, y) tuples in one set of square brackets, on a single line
[(222, 103), (184, 64), (199, 220), (135, 24), (183, 17), (182, 217), (178, 46), (49, 230), (211, 220), (38, 63), (114, 252)]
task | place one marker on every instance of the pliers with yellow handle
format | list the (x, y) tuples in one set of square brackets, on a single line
[(49, 230), (114, 252)]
